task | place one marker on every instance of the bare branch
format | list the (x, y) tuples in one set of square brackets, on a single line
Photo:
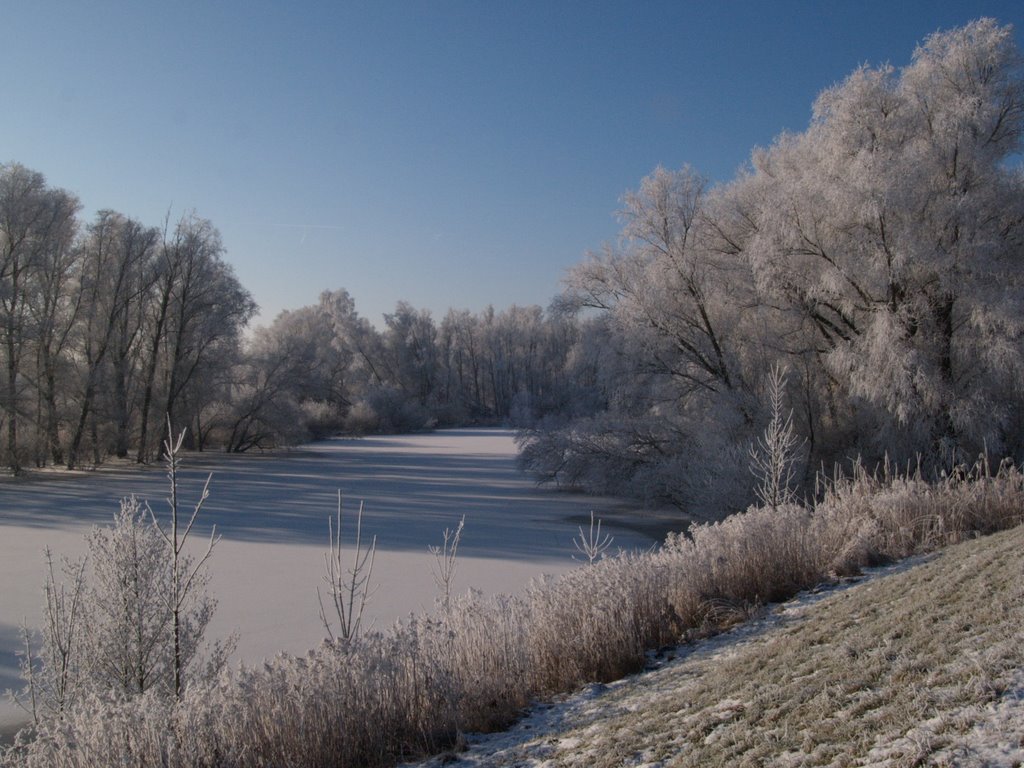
[(592, 545), (349, 588)]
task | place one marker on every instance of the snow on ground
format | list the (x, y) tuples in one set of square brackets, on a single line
[(997, 738), (272, 511)]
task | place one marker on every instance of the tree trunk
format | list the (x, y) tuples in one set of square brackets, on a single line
[(12, 403), (147, 397), (121, 409)]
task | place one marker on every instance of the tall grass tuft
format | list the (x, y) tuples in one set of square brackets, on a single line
[(415, 689)]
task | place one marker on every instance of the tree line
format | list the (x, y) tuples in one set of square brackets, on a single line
[(874, 259), (324, 369), (112, 329), (109, 329)]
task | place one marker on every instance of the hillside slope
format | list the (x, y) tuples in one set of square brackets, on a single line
[(921, 663)]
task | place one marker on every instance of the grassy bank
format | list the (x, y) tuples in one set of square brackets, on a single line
[(918, 667)]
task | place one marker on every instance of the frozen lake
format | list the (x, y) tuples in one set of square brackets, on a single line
[(272, 511)]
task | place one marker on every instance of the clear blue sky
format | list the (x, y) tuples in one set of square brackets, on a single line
[(451, 154)]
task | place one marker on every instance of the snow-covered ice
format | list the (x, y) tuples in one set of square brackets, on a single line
[(272, 512)]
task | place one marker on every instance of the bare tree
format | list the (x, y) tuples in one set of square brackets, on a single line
[(446, 562), (592, 545), (349, 588), (188, 577)]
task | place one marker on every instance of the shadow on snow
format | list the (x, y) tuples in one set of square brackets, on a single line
[(412, 487)]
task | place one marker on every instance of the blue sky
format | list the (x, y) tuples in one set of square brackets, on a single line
[(451, 154)]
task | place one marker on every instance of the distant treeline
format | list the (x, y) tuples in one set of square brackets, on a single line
[(111, 329), (875, 258)]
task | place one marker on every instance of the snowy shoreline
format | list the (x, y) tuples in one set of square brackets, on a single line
[(272, 509)]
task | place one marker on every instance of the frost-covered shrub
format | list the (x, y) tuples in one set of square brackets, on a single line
[(653, 459), (128, 623), (110, 628), (452, 414), (388, 410), (361, 419), (126, 644), (907, 514), (322, 418), (761, 555), (602, 617)]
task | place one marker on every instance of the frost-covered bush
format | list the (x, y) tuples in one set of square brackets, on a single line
[(125, 639), (323, 419), (128, 621), (908, 514), (651, 459), (110, 627), (386, 409)]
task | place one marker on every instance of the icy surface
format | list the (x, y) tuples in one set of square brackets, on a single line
[(272, 512)]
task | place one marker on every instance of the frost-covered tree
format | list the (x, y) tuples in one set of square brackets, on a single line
[(37, 225), (667, 283), (188, 606), (104, 330), (410, 352), (876, 255), (893, 226), (461, 382), (198, 310), (54, 311), (114, 278), (678, 320), (263, 403)]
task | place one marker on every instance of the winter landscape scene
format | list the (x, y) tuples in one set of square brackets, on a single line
[(545, 385)]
